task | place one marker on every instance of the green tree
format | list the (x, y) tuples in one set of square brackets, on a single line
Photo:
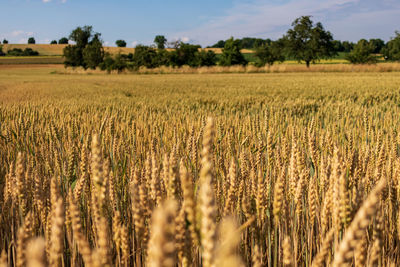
[(347, 46), (185, 54), (87, 51), (53, 42), (160, 41), (93, 53), (31, 40), (308, 42), (362, 53), (377, 45), (63, 40), (5, 41), (145, 56), (205, 58), (1, 51), (231, 54), (269, 53), (120, 43), (392, 49)]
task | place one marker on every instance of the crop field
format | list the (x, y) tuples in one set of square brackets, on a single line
[(255, 169)]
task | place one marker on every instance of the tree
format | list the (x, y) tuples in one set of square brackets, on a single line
[(88, 49), (185, 54), (144, 56), (206, 58), (1, 51), (347, 46), (269, 53), (63, 40), (231, 54), (31, 40), (160, 41), (5, 41), (392, 49), (377, 45), (219, 44), (120, 43), (53, 42), (93, 53), (362, 53), (308, 42)]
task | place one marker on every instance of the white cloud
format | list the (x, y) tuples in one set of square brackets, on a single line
[(134, 43), (17, 33), (63, 1), (265, 18), (46, 1)]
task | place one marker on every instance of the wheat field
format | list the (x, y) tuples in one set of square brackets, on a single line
[(277, 169)]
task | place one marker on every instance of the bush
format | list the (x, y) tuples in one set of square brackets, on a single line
[(231, 54), (362, 53), (53, 42), (5, 41), (206, 58), (1, 51), (392, 49), (185, 54), (31, 40), (145, 56), (17, 52), (269, 53), (119, 63)]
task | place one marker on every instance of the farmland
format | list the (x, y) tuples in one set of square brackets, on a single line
[(277, 169)]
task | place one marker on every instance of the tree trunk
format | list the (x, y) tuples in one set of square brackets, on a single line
[(308, 64)]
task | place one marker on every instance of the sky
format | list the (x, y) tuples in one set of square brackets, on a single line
[(199, 22)]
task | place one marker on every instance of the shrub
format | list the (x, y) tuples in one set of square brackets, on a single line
[(31, 40), (53, 42), (362, 53), (63, 40)]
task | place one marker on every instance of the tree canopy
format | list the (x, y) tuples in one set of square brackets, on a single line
[(63, 40), (120, 43), (362, 53), (231, 54), (392, 49), (31, 40), (309, 42), (87, 51), (160, 41)]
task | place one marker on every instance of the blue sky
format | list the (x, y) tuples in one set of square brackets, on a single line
[(202, 22)]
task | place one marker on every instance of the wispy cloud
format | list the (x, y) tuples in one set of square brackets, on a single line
[(263, 18)]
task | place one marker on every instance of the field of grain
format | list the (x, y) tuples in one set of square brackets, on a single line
[(276, 169)]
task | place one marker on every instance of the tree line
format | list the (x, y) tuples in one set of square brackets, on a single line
[(306, 42)]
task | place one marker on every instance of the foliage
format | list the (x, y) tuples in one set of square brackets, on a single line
[(245, 43), (63, 40), (231, 54), (5, 41), (17, 52), (1, 51), (119, 63), (160, 41), (145, 56), (185, 54), (308, 42), (205, 58), (93, 53), (53, 42), (269, 53), (31, 40), (362, 53), (120, 43), (392, 49), (88, 49), (376, 45)]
